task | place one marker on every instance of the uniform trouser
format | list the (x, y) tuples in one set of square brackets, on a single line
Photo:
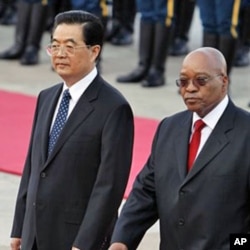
[(220, 20), (184, 10), (245, 23), (157, 11), (97, 7), (219, 16), (124, 12)]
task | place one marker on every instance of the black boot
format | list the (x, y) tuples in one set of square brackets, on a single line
[(10, 14), (155, 76), (210, 40), (227, 46), (242, 58), (179, 47), (124, 15), (53, 9), (30, 56), (246, 25), (145, 54), (36, 30), (16, 50), (3, 7), (184, 10), (123, 37)]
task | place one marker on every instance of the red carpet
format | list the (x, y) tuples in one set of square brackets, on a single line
[(16, 115)]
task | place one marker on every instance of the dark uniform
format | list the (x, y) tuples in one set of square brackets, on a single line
[(220, 20), (8, 11), (122, 22), (183, 15), (242, 54), (32, 16), (97, 7), (154, 41)]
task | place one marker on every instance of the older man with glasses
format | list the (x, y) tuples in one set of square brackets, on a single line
[(196, 179), (80, 151)]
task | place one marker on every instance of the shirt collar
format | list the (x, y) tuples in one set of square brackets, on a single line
[(214, 115), (79, 87)]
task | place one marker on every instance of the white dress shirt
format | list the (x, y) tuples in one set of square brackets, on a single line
[(211, 120), (75, 91)]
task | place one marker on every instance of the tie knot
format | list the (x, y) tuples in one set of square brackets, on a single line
[(199, 125), (66, 94)]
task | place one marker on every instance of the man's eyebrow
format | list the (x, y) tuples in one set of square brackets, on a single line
[(65, 41)]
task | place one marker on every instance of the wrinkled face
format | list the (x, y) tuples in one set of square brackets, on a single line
[(71, 58), (203, 83)]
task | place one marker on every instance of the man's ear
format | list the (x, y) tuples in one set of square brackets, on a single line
[(95, 50)]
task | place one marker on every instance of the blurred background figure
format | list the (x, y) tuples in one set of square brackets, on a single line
[(8, 12), (32, 16), (96, 7), (245, 34), (220, 26), (154, 40), (122, 22), (56, 7), (184, 10), (242, 58)]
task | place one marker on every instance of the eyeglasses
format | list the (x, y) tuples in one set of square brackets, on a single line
[(53, 49), (198, 81)]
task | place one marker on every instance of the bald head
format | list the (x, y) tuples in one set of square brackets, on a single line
[(203, 80), (211, 57)]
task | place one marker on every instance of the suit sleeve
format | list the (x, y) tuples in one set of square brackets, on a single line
[(140, 210), (23, 187), (111, 181)]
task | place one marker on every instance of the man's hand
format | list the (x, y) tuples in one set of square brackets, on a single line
[(74, 248), (118, 246), (15, 244)]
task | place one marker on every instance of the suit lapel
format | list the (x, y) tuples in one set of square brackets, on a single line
[(181, 144), (46, 113), (84, 108), (215, 143), (81, 111)]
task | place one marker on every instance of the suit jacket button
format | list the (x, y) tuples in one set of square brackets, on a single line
[(182, 193), (181, 222), (43, 175)]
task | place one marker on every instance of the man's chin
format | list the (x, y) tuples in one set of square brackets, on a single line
[(192, 104)]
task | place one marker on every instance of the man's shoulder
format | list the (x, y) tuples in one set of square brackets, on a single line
[(110, 91), (180, 117), (240, 113), (176, 122), (51, 89)]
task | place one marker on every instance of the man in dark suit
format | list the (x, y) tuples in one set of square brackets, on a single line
[(198, 208), (69, 197)]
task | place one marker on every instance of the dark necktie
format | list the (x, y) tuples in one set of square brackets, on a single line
[(195, 142), (60, 120)]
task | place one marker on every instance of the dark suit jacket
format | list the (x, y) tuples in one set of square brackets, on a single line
[(198, 210), (72, 197)]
